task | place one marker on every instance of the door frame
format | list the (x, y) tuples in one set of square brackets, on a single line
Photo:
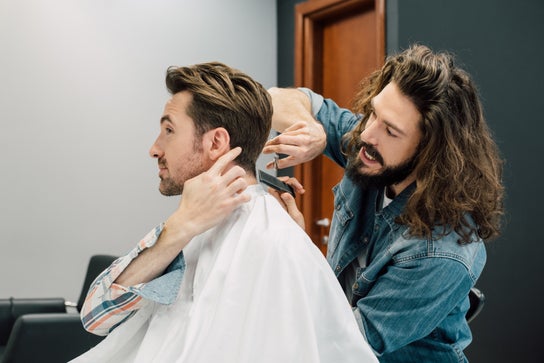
[(310, 17)]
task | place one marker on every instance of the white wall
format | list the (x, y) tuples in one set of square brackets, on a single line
[(81, 93)]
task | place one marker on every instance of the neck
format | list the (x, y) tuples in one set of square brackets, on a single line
[(395, 189), (249, 177)]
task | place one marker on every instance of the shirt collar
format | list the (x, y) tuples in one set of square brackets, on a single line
[(397, 204)]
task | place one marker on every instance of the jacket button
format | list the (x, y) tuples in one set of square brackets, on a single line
[(338, 268), (355, 286)]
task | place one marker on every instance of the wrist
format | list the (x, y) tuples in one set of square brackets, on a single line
[(176, 233)]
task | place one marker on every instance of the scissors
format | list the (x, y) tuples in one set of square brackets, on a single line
[(276, 159)]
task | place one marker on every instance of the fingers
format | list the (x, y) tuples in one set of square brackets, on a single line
[(271, 165), (302, 142), (224, 160), (210, 197), (287, 201), (282, 163), (288, 137), (234, 180), (297, 126), (296, 152), (285, 147), (292, 209), (299, 189)]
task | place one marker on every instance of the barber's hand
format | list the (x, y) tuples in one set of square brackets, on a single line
[(210, 197), (287, 201), (303, 141)]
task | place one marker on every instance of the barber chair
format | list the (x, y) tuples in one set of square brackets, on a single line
[(477, 300), (44, 329)]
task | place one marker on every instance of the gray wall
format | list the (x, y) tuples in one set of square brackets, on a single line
[(500, 43), (81, 94)]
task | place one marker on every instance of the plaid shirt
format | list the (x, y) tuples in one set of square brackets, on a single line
[(109, 304)]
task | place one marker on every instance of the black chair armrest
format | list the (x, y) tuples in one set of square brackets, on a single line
[(477, 302), (48, 338), (11, 309)]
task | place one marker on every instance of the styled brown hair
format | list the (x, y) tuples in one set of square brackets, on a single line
[(226, 97), (458, 169)]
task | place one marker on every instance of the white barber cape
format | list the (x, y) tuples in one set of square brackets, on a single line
[(255, 290)]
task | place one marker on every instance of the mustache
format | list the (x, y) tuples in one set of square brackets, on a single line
[(370, 150), (162, 163)]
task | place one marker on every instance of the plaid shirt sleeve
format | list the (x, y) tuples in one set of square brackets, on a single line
[(108, 304)]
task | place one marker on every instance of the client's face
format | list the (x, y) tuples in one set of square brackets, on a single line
[(177, 149)]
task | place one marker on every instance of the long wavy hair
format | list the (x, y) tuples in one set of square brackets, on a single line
[(458, 169)]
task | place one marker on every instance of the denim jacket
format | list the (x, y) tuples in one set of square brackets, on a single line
[(410, 295)]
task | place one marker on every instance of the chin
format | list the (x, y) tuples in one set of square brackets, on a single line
[(170, 189), (365, 172)]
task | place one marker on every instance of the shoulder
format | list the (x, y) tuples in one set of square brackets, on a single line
[(445, 250), (336, 118), (332, 116), (267, 220), (276, 230)]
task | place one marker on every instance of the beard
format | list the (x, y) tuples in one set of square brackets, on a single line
[(390, 175), (168, 187), (191, 168)]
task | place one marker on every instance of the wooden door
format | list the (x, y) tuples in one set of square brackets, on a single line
[(337, 44)]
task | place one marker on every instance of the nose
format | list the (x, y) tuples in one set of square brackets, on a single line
[(370, 134), (155, 151)]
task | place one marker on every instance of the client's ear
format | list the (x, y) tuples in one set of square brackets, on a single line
[(216, 142)]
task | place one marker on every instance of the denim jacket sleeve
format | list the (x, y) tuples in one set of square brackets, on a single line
[(336, 121), (410, 299)]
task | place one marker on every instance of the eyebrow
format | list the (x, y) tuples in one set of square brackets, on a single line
[(165, 118), (388, 123)]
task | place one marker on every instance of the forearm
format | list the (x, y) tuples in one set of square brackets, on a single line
[(290, 106), (152, 261), (109, 302)]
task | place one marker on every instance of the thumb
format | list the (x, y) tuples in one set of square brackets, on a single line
[(289, 202), (292, 209)]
